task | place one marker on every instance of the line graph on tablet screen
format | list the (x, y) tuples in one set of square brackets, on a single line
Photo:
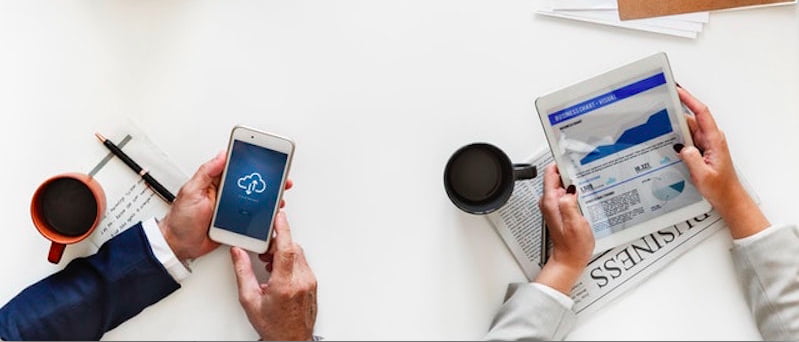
[(657, 125)]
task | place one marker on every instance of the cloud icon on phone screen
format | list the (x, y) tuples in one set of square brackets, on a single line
[(252, 183)]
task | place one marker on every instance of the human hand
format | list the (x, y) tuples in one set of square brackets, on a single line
[(712, 170), (283, 309), (185, 226), (713, 173), (571, 235)]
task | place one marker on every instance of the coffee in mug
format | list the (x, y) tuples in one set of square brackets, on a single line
[(66, 209), (479, 178)]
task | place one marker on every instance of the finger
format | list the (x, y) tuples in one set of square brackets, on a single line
[(289, 185), (283, 239), (549, 201), (551, 178), (696, 134), (692, 125), (300, 260), (704, 119), (218, 179), (266, 257), (283, 266), (301, 263), (695, 162), (272, 247), (208, 174), (569, 210), (304, 269), (245, 278)]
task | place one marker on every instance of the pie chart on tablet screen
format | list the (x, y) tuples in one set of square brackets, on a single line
[(668, 186)]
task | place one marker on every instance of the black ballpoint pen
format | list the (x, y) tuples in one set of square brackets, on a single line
[(145, 174), (544, 243)]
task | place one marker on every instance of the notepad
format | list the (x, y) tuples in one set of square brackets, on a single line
[(128, 198), (606, 12)]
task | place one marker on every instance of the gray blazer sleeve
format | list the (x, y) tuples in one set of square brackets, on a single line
[(530, 314), (768, 269)]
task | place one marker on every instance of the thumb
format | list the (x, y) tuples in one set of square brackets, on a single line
[(207, 173), (247, 283), (695, 162)]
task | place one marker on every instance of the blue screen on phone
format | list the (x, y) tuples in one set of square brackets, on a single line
[(251, 188)]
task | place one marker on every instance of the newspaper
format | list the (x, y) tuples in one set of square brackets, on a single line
[(608, 274)]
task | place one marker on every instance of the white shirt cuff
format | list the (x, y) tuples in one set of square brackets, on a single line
[(556, 295), (743, 242), (163, 253)]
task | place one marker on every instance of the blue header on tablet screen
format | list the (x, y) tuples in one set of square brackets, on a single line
[(607, 99)]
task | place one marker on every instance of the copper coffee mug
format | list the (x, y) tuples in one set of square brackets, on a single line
[(66, 209)]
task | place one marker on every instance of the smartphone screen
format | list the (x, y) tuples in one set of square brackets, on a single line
[(251, 189)]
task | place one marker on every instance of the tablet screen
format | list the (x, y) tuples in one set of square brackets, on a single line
[(617, 147)]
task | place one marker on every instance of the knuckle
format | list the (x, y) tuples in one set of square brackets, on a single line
[(294, 291), (183, 189), (565, 201), (204, 168), (284, 291), (549, 206), (553, 205), (305, 287), (245, 299), (293, 252)]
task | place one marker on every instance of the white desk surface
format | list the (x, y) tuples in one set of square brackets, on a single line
[(377, 94)]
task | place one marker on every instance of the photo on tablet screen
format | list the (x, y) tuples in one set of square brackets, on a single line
[(615, 144)]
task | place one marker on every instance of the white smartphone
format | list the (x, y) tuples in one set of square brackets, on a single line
[(251, 188)]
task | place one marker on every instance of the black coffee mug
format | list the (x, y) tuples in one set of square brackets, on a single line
[(479, 178)]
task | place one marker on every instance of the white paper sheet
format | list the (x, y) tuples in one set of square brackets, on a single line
[(612, 16), (619, 23)]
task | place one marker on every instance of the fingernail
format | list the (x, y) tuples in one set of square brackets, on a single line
[(678, 147), (678, 84), (571, 189)]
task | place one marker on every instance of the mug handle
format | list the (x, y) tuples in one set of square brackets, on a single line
[(56, 251), (524, 171)]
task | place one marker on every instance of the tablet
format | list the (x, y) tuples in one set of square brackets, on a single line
[(612, 136)]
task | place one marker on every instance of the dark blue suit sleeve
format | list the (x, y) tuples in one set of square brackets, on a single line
[(91, 295)]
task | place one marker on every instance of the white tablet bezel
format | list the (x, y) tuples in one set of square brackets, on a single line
[(265, 140), (595, 84)]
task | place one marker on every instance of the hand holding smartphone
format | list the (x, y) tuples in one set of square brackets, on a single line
[(251, 189)]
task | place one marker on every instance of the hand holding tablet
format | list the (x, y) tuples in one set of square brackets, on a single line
[(612, 136)]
